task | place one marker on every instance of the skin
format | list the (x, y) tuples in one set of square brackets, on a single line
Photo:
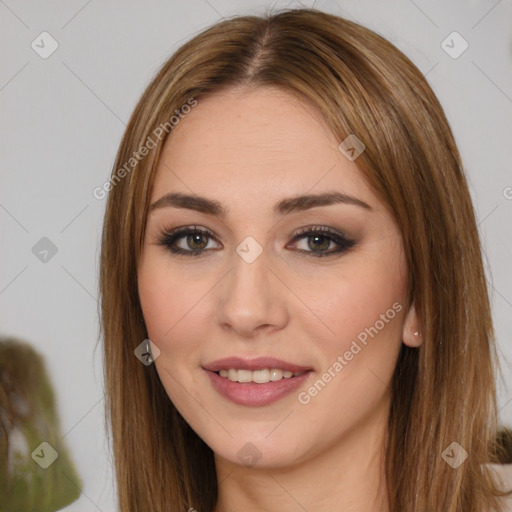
[(248, 150)]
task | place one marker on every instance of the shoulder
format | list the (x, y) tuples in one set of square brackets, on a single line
[(503, 475)]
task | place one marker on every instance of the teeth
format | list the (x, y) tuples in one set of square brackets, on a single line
[(244, 376), (258, 376), (276, 374)]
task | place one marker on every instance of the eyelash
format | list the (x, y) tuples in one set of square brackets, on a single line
[(169, 237)]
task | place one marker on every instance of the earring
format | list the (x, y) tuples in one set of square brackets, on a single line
[(417, 333)]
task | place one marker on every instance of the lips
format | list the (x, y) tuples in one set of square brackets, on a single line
[(251, 393), (259, 363)]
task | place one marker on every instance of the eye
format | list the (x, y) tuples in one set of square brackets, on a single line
[(188, 241), (317, 240)]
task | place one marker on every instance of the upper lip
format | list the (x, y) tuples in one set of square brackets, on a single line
[(258, 363)]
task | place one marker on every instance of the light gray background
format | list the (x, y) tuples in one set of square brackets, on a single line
[(62, 120)]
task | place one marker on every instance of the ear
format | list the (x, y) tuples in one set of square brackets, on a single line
[(411, 334)]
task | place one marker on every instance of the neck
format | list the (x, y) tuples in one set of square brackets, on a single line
[(347, 476)]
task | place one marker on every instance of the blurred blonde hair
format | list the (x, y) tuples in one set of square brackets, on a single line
[(442, 392), (28, 416)]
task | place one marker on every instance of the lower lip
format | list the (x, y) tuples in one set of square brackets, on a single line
[(253, 394)]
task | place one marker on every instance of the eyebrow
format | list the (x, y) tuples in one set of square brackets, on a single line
[(283, 207)]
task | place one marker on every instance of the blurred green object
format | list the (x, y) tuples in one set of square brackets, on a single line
[(33, 478)]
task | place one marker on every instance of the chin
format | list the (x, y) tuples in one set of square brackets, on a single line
[(260, 455)]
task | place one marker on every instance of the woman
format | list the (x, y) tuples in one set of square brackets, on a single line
[(289, 224)]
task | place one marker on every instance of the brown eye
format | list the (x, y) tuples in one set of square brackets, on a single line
[(318, 240), (197, 241), (186, 241), (315, 241)]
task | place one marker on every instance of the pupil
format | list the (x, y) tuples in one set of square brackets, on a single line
[(317, 245), (195, 240)]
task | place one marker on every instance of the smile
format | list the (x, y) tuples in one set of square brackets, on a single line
[(258, 376), (255, 382)]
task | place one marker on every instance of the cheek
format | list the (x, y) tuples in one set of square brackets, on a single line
[(366, 303), (156, 302), (173, 309), (365, 314), (164, 295)]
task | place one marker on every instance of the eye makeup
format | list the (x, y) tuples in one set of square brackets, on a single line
[(193, 241)]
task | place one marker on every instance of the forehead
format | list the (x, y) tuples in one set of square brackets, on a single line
[(255, 144)]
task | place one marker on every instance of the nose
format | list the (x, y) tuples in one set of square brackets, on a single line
[(252, 299)]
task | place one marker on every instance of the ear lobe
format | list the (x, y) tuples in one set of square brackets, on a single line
[(411, 334)]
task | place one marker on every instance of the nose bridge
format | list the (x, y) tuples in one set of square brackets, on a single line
[(248, 282), (249, 297)]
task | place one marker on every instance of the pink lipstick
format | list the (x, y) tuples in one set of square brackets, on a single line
[(255, 382)]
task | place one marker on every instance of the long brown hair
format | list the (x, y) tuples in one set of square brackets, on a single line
[(443, 392)]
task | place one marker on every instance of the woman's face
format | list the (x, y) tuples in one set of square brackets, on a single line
[(272, 282)]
